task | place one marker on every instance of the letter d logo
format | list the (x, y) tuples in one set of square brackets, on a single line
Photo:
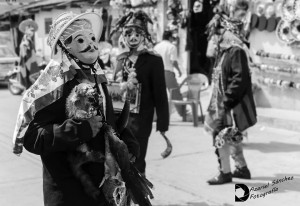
[(244, 197)]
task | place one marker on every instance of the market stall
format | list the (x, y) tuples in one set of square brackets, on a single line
[(275, 40)]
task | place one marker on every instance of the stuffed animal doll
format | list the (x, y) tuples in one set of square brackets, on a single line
[(122, 181)]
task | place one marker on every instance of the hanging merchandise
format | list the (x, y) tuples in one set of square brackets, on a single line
[(283, 32), (279, 83), (297, 9), (288, 11), (262, 23), (254, 21), (259, 8), (278, 8), (295, 29), (270, 15), (286, 69), (174, 17), (269, 10), (278, 56)]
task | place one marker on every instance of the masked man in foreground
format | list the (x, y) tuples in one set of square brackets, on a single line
[(43, 126)]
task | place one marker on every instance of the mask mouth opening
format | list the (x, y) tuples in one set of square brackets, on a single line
[(129, 31), (134, 41)]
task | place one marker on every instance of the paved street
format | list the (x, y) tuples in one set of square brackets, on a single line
[(271, 154)]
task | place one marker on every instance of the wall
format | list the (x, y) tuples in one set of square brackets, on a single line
[(273, 96)]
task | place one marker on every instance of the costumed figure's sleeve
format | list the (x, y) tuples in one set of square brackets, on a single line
[(131, 142), (238, 81), (160, 94), (46, 133)]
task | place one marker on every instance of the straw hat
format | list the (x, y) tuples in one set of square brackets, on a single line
[(65, 19), (26, 23)]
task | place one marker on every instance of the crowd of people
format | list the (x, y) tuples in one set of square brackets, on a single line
[(77, 58)]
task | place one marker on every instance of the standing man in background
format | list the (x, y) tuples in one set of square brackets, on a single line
[(28, 59), (168, 52), (232, 104)]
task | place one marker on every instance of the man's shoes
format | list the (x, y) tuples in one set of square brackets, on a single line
[(220, 179), (242, 173)]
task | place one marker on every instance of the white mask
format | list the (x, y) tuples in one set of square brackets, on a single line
[(84, 46)]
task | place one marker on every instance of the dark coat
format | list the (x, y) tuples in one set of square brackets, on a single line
[(52, 136), (236, 78), (237, 83), (150, 73)]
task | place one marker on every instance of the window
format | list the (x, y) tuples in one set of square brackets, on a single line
[(48, 22)]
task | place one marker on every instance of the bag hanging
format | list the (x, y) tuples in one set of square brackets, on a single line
[(244, 113), (230, 135)]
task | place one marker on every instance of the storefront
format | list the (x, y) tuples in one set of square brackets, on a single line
[(176, 15), (275, 44)]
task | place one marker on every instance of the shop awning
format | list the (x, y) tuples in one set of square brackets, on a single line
[(44, 5)]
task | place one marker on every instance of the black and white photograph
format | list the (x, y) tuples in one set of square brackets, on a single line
[(149, 102)]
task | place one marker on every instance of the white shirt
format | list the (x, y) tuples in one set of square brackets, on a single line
[(168, 52)]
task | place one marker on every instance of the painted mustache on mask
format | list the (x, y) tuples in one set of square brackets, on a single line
[(133, 39), (89, 47)]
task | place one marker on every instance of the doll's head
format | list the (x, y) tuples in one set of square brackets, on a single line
[(134, 28), (83, 102)]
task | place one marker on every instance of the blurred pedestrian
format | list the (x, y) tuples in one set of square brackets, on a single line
[(137, 58), (43, 126), (168, 52), (232, 104), (28, 58)]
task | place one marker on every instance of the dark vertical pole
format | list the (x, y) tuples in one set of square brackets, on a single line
[(189, 36)]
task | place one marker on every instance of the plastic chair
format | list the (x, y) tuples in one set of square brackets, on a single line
[(196, 83)]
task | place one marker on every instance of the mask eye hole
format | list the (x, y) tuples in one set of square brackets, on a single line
[(128, 32), (93, 39), (80, 40)]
